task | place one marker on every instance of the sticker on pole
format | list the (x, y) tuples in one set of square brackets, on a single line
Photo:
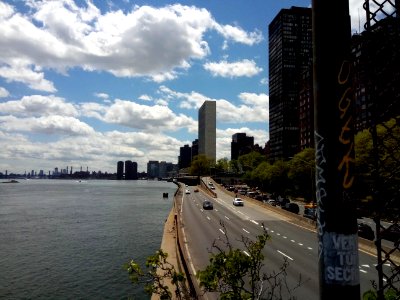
[(340, 254)]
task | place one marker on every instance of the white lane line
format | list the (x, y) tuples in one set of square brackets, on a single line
[(226, 218), (208, 218), (245, 230), (300, 244), (222, 231), (254, 222), (293, 241), (363, 271), (309, 248), (365, 266), (285, 237), (284, 254), (278, 234), (246, 253)]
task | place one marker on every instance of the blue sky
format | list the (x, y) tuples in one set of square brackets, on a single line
[(89, 83)]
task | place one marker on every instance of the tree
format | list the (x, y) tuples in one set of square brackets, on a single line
[(236, 274), (301, 173), (156, 280), (201, 165), (222, 165)]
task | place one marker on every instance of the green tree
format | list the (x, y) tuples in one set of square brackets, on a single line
[(158, 276), (222, 165), (237, 274), (201, 165), (301, 173), (278, 178)]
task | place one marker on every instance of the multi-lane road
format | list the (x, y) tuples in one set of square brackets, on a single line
[(290, 240)]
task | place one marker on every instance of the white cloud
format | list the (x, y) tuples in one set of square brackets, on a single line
[(55, 125), (156, 118), (237, 34), (3, 92), (145, 97), (22, 73), (38, 105), (223, 68), (103, 96), (61, 35)]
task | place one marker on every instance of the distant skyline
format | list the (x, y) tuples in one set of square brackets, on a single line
[(90, 83)]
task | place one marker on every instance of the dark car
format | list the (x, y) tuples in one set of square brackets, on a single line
[(365, 231), (207, 204), (282, 202), (292, 207), (310, 212), (392, 233)]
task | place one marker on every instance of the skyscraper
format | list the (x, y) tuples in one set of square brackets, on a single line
[(120, 170), (290, 57), (207, 129), (241, 144)]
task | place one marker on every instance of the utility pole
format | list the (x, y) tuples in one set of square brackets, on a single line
[(334, 151)]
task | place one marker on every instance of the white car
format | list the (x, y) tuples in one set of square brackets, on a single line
[(187, 192), (238, 202)]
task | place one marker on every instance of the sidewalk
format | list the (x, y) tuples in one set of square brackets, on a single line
[(168, 245)]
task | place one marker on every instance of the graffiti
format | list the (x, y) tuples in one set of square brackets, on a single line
[(346, 134), (346, 161), (321, 193)]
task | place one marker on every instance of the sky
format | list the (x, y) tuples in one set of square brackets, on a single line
[(89, 83)]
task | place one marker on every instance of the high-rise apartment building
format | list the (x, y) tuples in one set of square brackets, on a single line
[(131, 170), (185, 157), (120, 170), (153, 169), (241, 144), (377, 74), (207, 129), (290, 57)]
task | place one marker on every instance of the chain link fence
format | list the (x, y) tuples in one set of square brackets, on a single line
[(382, 105)]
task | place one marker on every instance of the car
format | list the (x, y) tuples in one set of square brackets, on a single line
[(196, 190), (272, 202), (292, 207), (207, 204), (365, 231), (187, 192), (238, 201), (212, 187), (310, 212), (391, 233)]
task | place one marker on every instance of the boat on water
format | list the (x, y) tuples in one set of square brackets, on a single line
[(11, 181)]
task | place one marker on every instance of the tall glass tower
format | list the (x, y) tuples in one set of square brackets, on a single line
[(290, 56), (207, 129)]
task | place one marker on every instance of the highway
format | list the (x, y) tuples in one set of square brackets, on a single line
[(291, 240)]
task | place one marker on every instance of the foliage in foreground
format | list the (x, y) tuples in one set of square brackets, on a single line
[(390, 294), (238, 274), (159, 273)]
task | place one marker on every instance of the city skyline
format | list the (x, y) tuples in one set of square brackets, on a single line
[(74, 90)]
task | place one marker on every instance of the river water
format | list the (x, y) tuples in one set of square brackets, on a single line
[(65, 239)]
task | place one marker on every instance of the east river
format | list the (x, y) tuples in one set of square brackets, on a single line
[(69, 239)]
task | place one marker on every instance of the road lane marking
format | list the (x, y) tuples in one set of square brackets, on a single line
[(254, 222), (309, 248), (293, 241), (300, 244), (245, 230), (246, 253), (284, 254), (226, 218), (222, 231), (363, 271), (208, 218)]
